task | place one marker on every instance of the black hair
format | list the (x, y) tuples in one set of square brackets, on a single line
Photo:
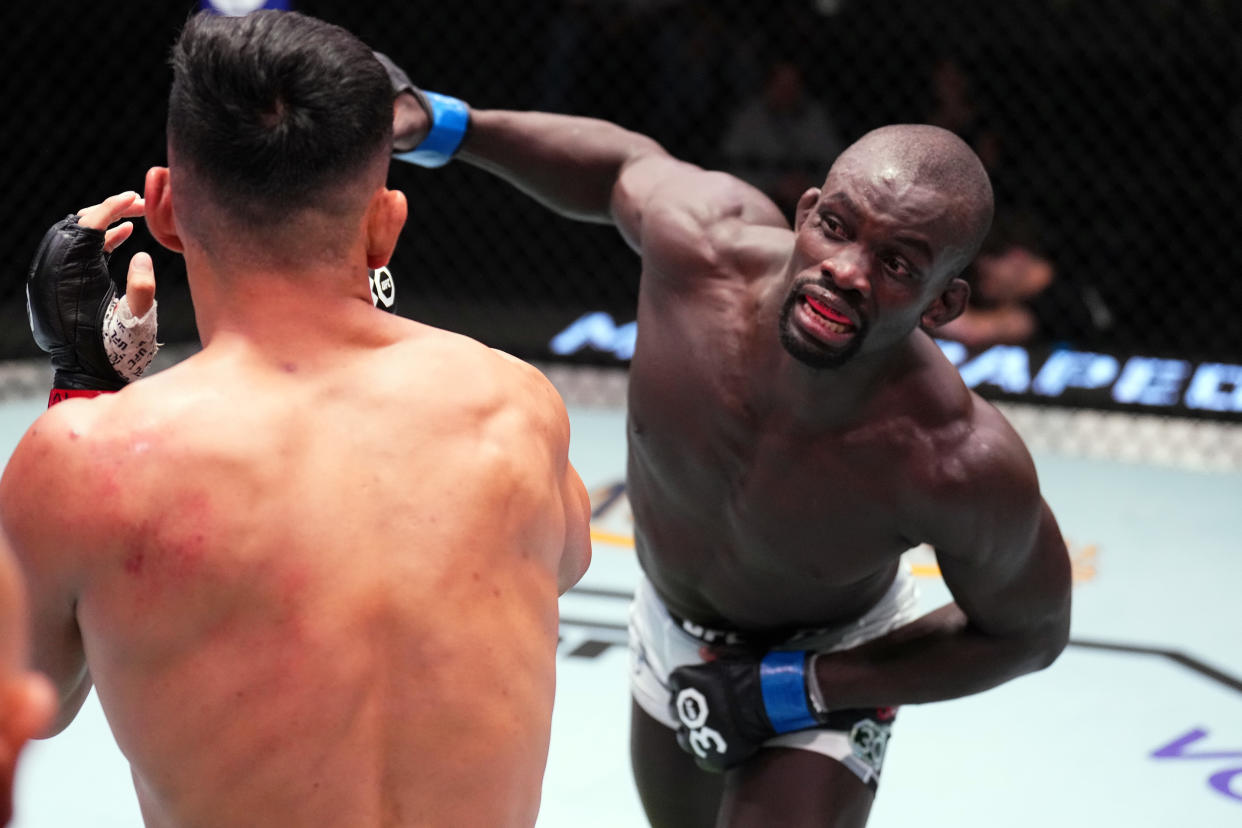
[(272, 109)]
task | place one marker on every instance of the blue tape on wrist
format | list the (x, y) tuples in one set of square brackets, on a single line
[(783, 684), (449, 119)]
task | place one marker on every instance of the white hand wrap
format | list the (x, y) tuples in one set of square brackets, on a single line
[(129, 340)]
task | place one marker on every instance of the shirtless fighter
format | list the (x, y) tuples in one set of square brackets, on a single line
[(27, 702), (793, 431), (312, 571)]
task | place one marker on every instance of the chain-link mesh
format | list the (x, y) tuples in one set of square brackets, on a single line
[(1112, 129)]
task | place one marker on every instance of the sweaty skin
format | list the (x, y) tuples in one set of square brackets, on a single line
[(312, 571), (792, 431)]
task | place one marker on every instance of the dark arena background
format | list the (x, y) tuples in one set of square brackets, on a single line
[(1112, 130), (1104, 321)]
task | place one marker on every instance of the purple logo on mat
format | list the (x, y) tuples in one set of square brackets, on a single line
[(1225, 781)]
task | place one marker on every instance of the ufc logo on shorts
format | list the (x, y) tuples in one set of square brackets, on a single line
[(692, 710)]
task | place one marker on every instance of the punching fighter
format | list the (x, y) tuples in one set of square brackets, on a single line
[(792, 431), (310, 571)]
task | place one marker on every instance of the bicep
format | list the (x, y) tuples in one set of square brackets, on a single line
[(1014, 581), (57, 651), (657, 197), (546, 415), (32, 536), (576, 556)]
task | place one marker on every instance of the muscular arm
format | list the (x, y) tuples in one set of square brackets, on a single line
[(26, 703), (596, 171), (549, 411), (1008, 570), (33, 485), (568, 164)]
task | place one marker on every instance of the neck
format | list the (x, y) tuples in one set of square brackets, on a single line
[(271, 304), (826, 396)]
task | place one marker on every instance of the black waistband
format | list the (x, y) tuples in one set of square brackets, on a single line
[(764, 640)]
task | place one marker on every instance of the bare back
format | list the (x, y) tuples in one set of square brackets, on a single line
[(323, 591)]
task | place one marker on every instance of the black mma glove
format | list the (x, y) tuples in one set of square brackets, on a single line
[(726, 709), (72, 304), (449, 119)]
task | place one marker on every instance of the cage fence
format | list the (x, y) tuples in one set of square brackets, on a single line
[(1112, 130)]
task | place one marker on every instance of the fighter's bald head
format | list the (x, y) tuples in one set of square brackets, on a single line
[(927, 156)]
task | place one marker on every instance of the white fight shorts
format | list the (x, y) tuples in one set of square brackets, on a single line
[(659, 644)]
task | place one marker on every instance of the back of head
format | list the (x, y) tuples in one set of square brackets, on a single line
[(275, 113), (935, 157)]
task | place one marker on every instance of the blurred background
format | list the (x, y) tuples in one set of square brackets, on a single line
[(1109, 291), (1112, 130)]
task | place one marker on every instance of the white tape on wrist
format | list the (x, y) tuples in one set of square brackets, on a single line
[(814, 693), (129, 340)]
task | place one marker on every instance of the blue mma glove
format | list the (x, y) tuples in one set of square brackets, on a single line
[(726, 709), (449, 117)]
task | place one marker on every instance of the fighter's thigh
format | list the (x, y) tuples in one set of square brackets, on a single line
[(675, 793), (793, 788)]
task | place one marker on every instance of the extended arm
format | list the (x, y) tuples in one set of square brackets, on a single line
[(36, 477), (585, 168)]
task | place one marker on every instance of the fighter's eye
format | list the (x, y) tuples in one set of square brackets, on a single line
[(831, 224), (897, 266)]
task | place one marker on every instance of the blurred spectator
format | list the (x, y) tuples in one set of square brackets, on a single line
[(1010, 272), (955, 107), (700, 63), (1005, 280), (781, 141)]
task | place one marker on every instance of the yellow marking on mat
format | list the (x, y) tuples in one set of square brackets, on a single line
[(611, 538), (1082, 562)]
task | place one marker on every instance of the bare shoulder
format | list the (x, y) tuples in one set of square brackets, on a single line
[(984, 493), (491, 383), (529, 388), (694, 222), (52, 464), (58, 440)]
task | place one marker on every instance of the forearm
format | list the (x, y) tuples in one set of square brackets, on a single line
[(937, 657), (567, 163), (71, 694)]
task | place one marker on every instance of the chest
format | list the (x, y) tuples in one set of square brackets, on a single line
[(711, 476)]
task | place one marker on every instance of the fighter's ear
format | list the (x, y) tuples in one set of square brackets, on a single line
[(806, 204), (385, 217), (948, 305), (159, 209)]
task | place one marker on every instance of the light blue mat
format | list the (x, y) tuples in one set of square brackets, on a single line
[(1139, 724)]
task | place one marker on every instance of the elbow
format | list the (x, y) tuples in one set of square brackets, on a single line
[(1049, 643)]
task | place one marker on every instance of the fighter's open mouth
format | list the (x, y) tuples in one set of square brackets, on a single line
[(833, 320)]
